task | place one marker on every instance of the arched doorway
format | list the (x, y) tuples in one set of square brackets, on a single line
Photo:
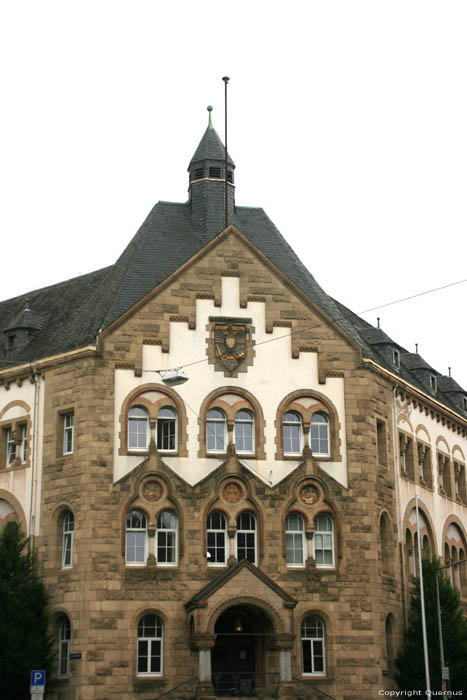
[(238, 658)]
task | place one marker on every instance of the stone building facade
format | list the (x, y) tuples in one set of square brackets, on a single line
[(253, 527)]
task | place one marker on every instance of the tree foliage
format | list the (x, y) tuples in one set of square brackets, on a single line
[(410, 662), (24, 642)]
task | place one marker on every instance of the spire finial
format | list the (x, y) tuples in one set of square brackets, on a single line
[(210, 120)]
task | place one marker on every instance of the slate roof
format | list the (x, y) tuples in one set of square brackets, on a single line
[(210, 148), (73, 312)]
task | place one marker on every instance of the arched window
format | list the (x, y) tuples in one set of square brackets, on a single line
[(244, 431), (319, 434), (246, 537), (68, 528), (150, 637), (64, 636), (138, 428), (216, 431), (292, 433), (167, 429), (323, 541), (295, 540), (313, 646), (217, 543), (136, 536), (166, 538), (390, 625)]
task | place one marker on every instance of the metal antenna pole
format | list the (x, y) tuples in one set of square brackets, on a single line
[(226, 222)]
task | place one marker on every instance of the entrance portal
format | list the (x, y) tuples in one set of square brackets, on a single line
[(237, 657)]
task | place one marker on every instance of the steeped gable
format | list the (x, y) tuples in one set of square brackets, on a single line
[(74, 312)]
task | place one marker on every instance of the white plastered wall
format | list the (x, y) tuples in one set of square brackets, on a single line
[(273, 375), (415, 423), (24, 483)]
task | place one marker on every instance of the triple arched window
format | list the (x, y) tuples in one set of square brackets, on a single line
[(139, 433)]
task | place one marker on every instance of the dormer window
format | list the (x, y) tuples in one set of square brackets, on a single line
[(396, 358), (464, 400), (433, 384), (215, 173)]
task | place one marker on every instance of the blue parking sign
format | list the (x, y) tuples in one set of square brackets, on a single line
[(37, 679)]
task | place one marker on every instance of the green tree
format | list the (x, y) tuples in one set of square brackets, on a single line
[(24, 642), (410, 663)]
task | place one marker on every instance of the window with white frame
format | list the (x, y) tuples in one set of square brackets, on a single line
[(68, 433), (295, 540), (136, 538), (138, 428), (24, 444), (10, 447), (217, 541), (244, 431), (323, 541), (167, 429), (216, 431), (319, 434), (68, 529), (246, 537), (64, 636), (292, 433), (313, 646), (167, 538), (150, 638)]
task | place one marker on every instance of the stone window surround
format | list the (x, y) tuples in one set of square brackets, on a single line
[(57, 616), (323, 406), (246, 401), (16, 426), (60, 432), (443, 470), (406, 447), (460, 484), (152, 511), (424, 448), (407, 526), (454, 520), (170, 399), (53, 531)]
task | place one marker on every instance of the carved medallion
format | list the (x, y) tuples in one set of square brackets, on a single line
[(232, 492), (152, 490), (309, 494), (230, 340)]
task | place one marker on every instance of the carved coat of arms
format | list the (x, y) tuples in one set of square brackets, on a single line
[(230, 340)]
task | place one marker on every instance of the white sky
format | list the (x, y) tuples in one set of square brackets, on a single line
[(347, 124)]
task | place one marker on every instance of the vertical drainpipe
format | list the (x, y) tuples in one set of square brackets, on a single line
[(400, 533), (34, 430)]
